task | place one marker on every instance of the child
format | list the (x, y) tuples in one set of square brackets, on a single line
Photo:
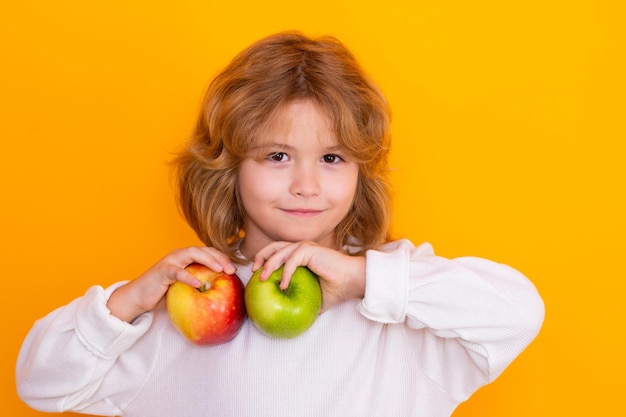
[(287, 166)]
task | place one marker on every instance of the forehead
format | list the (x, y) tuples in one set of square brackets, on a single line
[(296, 121)]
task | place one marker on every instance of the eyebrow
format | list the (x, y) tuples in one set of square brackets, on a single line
[(287, 147), (270, 145)]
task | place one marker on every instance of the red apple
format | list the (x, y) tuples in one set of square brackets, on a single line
[(212, 314)]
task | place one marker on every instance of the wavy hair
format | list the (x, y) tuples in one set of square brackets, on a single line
[(260, 80)]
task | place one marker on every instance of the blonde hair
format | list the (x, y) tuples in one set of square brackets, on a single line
[(261, 79)]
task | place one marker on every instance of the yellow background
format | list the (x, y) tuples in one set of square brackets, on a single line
[(508, 144)]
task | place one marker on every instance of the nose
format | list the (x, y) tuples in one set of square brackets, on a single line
[(305, 181)]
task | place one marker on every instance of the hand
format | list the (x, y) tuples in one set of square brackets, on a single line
[(341, 276), (145, 292)]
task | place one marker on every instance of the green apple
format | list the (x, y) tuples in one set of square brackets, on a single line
[(283, 313), (211, 314)]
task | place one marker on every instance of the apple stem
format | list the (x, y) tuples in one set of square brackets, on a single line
[(205, 286)]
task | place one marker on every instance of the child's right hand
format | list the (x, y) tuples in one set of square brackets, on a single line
[(144, 293)]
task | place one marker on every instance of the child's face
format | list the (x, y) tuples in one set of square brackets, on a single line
[(297, 184)]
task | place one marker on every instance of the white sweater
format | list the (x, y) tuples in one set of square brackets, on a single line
[(428, 333)]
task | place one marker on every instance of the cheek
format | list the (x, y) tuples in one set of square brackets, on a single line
[(256, 185), (343, 188), (248, 183)]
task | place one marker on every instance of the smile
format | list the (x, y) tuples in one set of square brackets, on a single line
[(302, 212)]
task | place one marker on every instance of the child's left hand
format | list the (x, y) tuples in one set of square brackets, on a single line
[(341, 276)]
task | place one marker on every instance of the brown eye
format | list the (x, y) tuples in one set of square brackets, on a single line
[(331, 158), (277, 156)]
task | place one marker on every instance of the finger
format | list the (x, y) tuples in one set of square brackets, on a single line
[(210, 257), (300, 256), (271, 258), (266, 253), (220, 261), (175, 273), (187, 278), (285, 279)]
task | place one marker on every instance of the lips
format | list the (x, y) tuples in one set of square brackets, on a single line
[(302, 212)]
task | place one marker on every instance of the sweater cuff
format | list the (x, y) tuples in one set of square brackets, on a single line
[(102, 333), (386, 286)]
